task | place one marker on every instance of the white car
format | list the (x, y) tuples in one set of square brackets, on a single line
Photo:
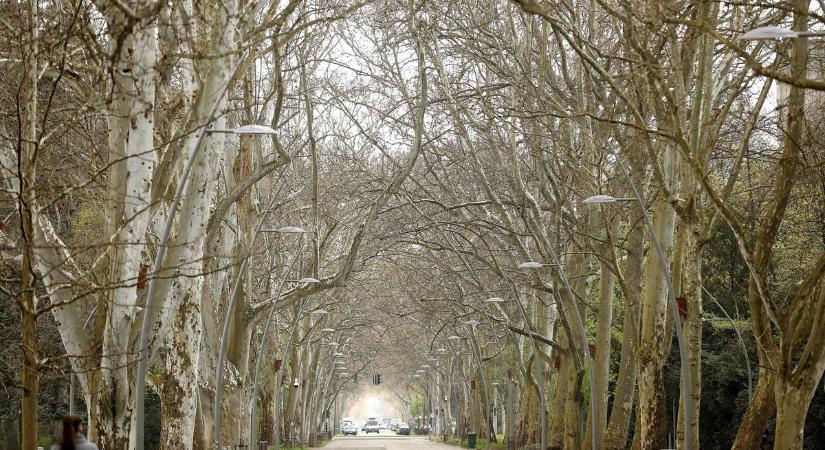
[(372, 427)]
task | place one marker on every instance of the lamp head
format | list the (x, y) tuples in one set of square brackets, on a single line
[(254, 129), (601, 198), (291, 230), (764, 33)]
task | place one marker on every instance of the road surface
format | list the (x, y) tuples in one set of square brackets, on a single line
[(385, 441)]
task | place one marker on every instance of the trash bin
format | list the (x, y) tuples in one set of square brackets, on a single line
[(471, 440)]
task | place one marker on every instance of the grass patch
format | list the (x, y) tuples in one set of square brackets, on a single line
[(481, 443)]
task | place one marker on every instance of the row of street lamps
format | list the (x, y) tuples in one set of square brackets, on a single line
[(761, 33)]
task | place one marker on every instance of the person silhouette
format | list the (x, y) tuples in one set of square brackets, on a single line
[(71, 436)]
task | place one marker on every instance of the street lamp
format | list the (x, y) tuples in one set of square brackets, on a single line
[(148, 316), (584, 344), (163, 241), (765, 33), (253, 431), (495, 300), (530, 265), (484, 393), (245, 129), (687, 389), (602, 198), (328, 330), (284, 230)]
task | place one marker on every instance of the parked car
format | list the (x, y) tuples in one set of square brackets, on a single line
[(372, 427), (403, 428), (350, 430)]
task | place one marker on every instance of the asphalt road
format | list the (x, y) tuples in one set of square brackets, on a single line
[(387, 440)]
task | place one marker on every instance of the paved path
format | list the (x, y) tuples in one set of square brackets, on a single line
[(385, 442)]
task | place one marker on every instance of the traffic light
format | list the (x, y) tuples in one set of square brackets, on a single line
[(376, 378)]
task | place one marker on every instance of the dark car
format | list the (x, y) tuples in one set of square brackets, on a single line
[(403, 428)]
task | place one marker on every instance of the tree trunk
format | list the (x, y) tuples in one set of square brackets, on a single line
[(619, 426), (764, 401), (556, 429), (615, 437), (692, 332), (601, 359), (791, 409), (180, 385), (26, 165), (654, 338), (528, 429), (759, 413)]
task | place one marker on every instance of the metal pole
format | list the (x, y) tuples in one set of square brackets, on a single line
[(253, 430), (539, 376), (495, 411), (280, 377), (71, 393), (233, 297), (741, 343), (143, 341), (511, 432), (585, 347), (687, 390), (485, 415)]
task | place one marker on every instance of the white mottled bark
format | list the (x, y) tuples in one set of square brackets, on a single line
[(654, 336), (133, 159), (179, 319)]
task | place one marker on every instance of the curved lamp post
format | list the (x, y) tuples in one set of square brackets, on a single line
[(741, 342), (532, 265), (233, 296), (163, 241), (253, 430), (279, 377), (486, 395), (588, 358), (687, 390)]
